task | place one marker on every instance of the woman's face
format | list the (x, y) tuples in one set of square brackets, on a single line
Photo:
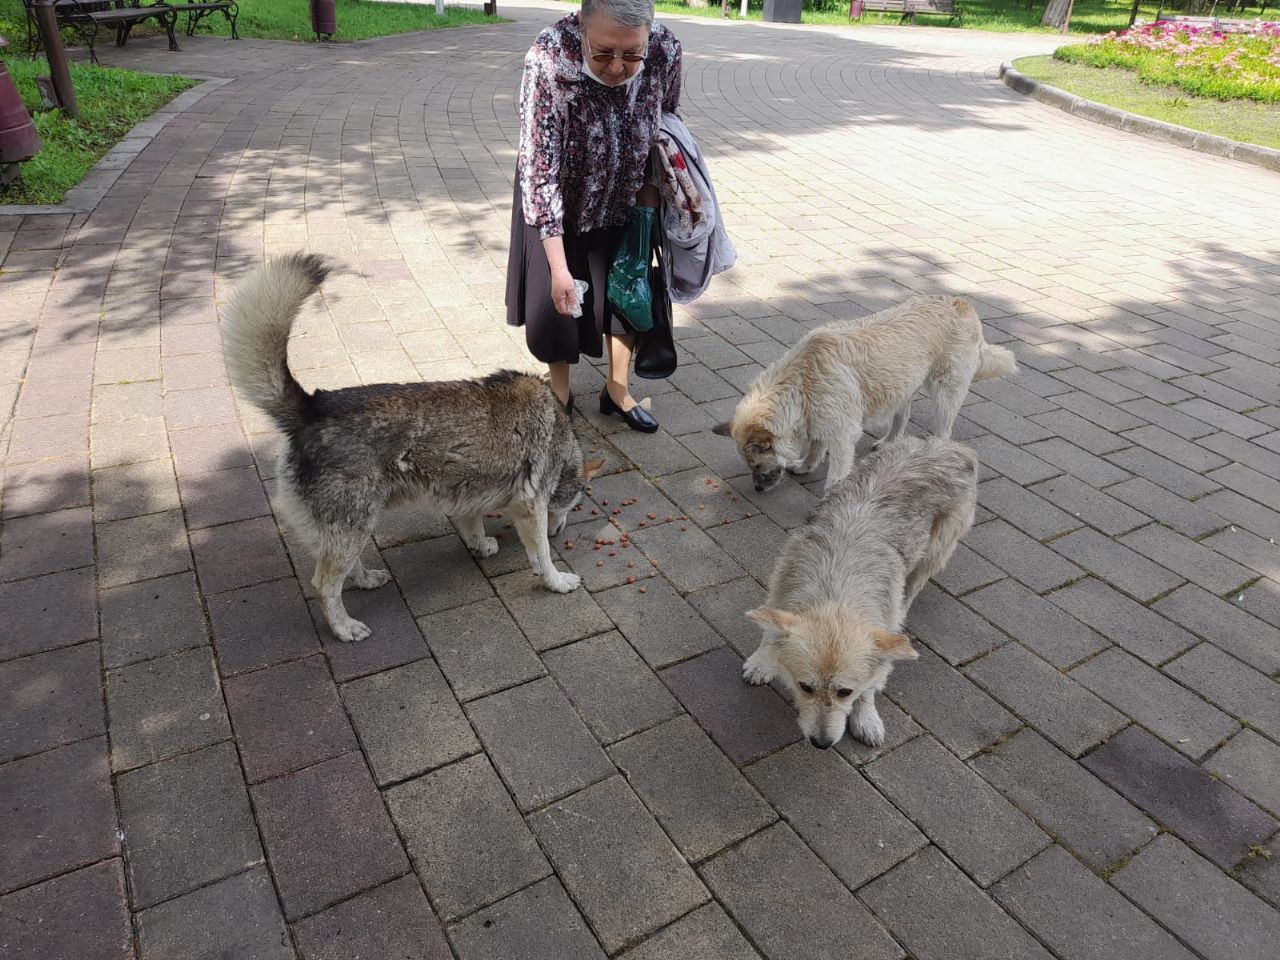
[(616, 52)]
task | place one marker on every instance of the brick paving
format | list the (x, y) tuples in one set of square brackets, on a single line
[(1085, 755)]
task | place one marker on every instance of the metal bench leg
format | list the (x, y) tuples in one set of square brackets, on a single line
[(170, 21), (233, 14)]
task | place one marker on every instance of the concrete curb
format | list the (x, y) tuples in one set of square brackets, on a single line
[(88, 193), (1143, 126)]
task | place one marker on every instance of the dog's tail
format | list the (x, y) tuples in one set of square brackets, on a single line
[(255, 334), (995, 361)]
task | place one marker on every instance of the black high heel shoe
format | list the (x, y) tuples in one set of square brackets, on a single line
[(637, 418), (567, 406)]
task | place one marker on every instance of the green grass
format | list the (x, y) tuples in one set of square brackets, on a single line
[(290, 20), (111, 102), (1003, 16), (1243, 120)]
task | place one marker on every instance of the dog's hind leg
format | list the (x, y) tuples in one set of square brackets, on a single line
[(471, 527), (947, 530), (531, 525), (900, 420), (337, 555), (366, 579)]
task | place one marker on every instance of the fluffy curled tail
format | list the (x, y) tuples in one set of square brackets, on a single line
[(255, 334), (995, 361)]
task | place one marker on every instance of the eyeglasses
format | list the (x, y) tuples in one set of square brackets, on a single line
[(604, 59)]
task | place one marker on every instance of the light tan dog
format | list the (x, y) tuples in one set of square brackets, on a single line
[(842, 378), (840, 591)]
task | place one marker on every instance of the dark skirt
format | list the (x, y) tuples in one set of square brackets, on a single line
[(551, 337)]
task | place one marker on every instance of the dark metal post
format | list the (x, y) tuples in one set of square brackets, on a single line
[(59, 72)]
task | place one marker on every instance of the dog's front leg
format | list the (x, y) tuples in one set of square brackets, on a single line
[(471, 528), (817, 450), (843, 451), (760, 667), (865, 722), (531, 525)]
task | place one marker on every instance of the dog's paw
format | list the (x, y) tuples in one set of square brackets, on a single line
[(487, 547), (800, 470), (866, 725), (560, 582), (756, 672), (371, 579), (351, 630)]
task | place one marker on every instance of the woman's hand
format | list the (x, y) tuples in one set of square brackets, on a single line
[(563, 294)]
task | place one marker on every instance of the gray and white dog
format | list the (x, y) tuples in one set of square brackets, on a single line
[(465, 447), (841, 588)]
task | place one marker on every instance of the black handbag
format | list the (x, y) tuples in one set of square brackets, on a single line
[(656, 351)]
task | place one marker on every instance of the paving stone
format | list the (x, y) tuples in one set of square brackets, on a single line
[(186, 822), (966, 571), (978, 828), (211, 449), (50, 699), (1170, 711), (1077, 462), (1261, 872), (661, 625), (396, 638), (707, 933), (45, 487), (1131, 625), (150, 619), (462, 868), (134, 489), (1207, 910), (437, 575), (937, 913), (1021, 557), (746, 722), (686, 556), (408, 721), (59, 813), (235, 917), (1094, 507), (1189, 519), (1243, 480), (1168, 418), (716, 452), (212, 498), (550, 619), (898, 729), (1081, 812), (538, 923), (658, 454), (142, 548), (948, 704), (1231, 508), (725, 606), (755, 543), (611, 687), (1122, 567), (164, 707), (818, 919), (855, 831), (327, 834), (261, 625), (1079, 916), (1224, 625), (538, 743), (950, 628), (237, 555), (702, 802), (1262, 600), (1251, 764), (1105, 415), (83, 915), (1033, 515), (1172, 476), (1214, 819), (789, 504), (393, 920), (287, 717), (1255, 553), (47, 543), (1227, 682), (1013, 462), (1190, 455), (1004, 423), (1187, 558), (480, 649), (1057, 706), (1081, 432), (614, 495), (1040, 625)]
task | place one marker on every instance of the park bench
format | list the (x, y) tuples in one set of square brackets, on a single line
[(1212, 23), (87, 17), (909, 9)]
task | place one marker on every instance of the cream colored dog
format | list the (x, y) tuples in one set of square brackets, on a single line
[(840, 591), (844, 377)]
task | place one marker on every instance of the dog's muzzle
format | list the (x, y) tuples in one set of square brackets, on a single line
[(767, 481), (821, 742)]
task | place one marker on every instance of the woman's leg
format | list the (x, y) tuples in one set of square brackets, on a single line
[(560, 381)]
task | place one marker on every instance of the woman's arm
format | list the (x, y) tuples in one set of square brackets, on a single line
[(541, 137)]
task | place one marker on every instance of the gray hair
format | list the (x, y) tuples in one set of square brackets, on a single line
[(625, 13)]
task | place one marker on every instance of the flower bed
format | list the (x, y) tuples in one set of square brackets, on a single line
[(1205, 62)]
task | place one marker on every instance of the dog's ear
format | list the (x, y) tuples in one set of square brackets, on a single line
[(895, 646), (723, 429), (780, 620), (591, 468), (759, 439)]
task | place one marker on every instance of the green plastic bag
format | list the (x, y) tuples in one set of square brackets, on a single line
[(629, 293)]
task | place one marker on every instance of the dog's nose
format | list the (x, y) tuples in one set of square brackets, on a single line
[(820, 743), (759, 488)]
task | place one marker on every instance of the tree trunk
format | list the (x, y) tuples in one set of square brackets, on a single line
[(1056, 14)]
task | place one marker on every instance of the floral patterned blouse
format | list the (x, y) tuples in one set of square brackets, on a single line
[(583, 145)]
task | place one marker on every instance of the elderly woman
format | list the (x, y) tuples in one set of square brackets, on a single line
[(595, 86)]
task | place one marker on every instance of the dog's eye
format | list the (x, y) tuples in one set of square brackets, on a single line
[(807, 687), (843, 692)]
